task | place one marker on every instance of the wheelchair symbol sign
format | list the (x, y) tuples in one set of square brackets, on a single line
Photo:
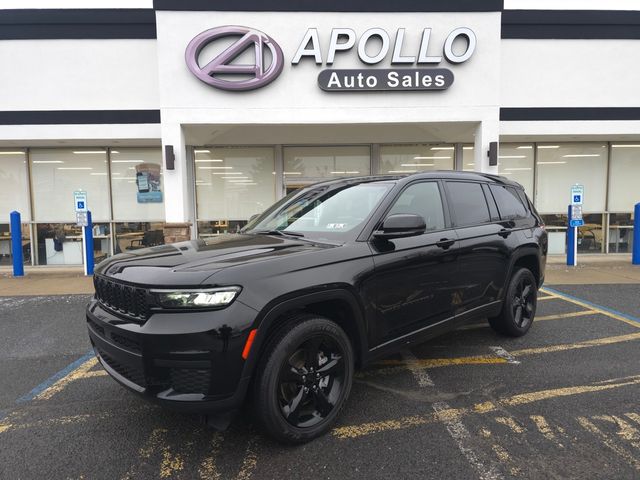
[(80, 201)]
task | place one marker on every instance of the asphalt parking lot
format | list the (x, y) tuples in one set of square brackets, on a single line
[(562, 402)]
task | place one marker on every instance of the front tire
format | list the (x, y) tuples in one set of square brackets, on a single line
[(304, 379), (519, 308)]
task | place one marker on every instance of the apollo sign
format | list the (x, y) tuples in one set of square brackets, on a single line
[(372, 47)]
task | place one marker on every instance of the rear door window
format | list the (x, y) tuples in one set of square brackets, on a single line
[(468, 203), (509, 203)]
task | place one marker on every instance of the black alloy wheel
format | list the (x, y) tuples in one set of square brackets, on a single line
[(303, 380), (519, 308), (522, 302), (311, 381)]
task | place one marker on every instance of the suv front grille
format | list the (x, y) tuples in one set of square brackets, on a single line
[(124, 299)]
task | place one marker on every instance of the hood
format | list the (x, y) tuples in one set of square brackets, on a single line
[(191, 263)]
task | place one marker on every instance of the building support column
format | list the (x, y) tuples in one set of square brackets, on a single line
[(177, 227), (487, 131)]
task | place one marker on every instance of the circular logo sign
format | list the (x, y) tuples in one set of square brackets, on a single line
[(249, 76)]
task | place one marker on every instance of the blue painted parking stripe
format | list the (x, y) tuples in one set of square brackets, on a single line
[(591, 304), (54, 378)]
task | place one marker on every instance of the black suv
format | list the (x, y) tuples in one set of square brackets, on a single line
[(330, 277)]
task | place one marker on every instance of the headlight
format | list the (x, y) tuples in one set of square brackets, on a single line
[(205, 298)]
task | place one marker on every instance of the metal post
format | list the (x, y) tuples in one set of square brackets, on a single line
[(88, 240), (16, 244), (635, 260), (572, 241)]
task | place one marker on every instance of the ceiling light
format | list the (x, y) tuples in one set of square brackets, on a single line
[(514, 169), (579, 155), (548, 146), (524, 147), (551, 163), (202, 151), (402, 171), (48, 161), (225, 173), (215, 168), (432, 158), (346, 172), (625, 146), (75, 168), (114, 151), (87, 152), (211, 160), (471, 164), (126, 161), (236, 178), (97, 173), (442, 148), (292, 173), (11, 153), (512, 156), (467, 148), (417, 165)]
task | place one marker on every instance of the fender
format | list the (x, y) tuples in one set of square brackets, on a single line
[(523, 251), (300, 299)]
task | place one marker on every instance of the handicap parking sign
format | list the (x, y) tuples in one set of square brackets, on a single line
[(577, 194), (80, 201)]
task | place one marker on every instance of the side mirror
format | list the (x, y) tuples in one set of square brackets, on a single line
[(401, 225)]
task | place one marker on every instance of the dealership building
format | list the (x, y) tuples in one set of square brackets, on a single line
[(185, 119)]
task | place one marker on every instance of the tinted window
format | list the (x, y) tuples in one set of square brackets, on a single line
[(422, 199), (468, 203), (509, 203)]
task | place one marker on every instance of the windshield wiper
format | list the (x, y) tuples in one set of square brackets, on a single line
[(277, 232)]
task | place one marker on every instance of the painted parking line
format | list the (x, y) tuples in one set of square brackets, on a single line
[(55, 378), (609, 312), (392, 366), (355, 431)]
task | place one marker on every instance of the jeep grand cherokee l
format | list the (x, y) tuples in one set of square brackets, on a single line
[(328, 279)]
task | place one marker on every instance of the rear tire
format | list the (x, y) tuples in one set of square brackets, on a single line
[(519, 308), (303, 380)]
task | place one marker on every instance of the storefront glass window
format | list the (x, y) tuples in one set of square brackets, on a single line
[(468, 158), (136, 235), (515, 161), (6, 253), (59, 244), (620, 232), (14, 194), (559, 166), (325, 162), (590, 236), (136, 184), (623, 176), (232, 184), (399, 159), (57, 173)]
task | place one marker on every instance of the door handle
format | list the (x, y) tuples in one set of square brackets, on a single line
[(445, 243), (504, 233)]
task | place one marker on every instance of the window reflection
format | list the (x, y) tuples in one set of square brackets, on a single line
[(137, 235), (6, 253)]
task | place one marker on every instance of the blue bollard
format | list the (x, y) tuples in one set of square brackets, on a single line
[(88, 242), (571, 242), (16, 244), (635, 259)]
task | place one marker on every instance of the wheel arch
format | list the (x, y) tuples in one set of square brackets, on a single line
[(527, 256), (337, 303)]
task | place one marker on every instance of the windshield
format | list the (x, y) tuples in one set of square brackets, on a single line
[(322, 213)]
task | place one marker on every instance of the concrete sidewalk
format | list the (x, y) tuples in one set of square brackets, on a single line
[(591, 269)]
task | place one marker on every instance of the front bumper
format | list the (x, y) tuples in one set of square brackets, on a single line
[(186, 361)]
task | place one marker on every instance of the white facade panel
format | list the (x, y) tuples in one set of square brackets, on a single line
[(78, 74), (569, 73)]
